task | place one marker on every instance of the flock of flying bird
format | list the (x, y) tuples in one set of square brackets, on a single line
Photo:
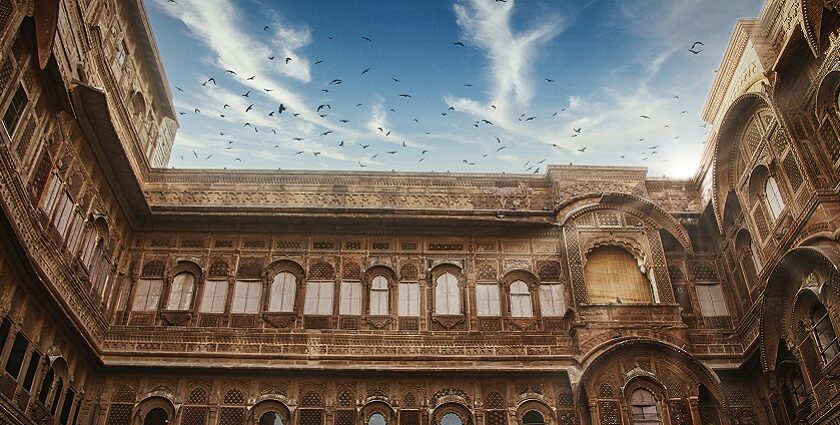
[(324, 110)]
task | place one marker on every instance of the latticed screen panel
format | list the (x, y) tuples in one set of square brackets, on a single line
[(792, 171), (496, 417), (495, 400), (234, 396), (831, 138), (679, 412), (7, 10), (311, 417), (195, 415), (119, 414), (609, 413), (760, 222), (752, 138), (345, 417), (232, 416), (409, 417)]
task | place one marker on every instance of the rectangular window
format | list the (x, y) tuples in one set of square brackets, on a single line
[(147, 295), (30, 371), (12, 116), (246, 297), (215, 294), (319, 298), (75, 233), (552, 300), (409, 299), (88, 245), (65, 408), (16, 356), (63, 211), (4, 332), (351, 299), (181, 292), (712, 302), (487, 299), (52, 194)]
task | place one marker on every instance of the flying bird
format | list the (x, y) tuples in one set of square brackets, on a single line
[(247, 93), (280, 109), (318, 62), (367, 39), (644, 116), (549, 80), (365, 71), (288, 60), (322, 107), (583, 149), (459, 43), (251, 106), (577, 130), (326, 133), (178, 88), (230, 71), (405, 95), (209, 80)]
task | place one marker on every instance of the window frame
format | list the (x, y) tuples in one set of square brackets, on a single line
[(350, 298), (771, 186), (824, 319), (521, 304), (557, 306), (409, 303), (214, 296), (325, 293), (715, 304), (379, 295), (286, 302), (251, 286), (451, 302), (493, 305), (151, 282), (19, 110)]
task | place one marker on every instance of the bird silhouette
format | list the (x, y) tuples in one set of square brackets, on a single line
[(288, 60), (367, 39), (366, 71), (458, 43), (209, 80), (251, 106), (247, 93), (583, 149)]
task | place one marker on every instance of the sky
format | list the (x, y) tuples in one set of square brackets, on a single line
[(442, 85)]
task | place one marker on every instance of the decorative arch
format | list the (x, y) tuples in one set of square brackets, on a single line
[(188, 266), (628, 244), (810, 21), (784, 283), (606, 354), (150, 403), (455, 407), (723, 165), (826, 93), (378, 406), (285, 265), (641, 208), (269, 405), (526, 276), (539, 406), (380, 270)]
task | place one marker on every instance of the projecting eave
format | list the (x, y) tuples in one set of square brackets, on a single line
[(94, 117)]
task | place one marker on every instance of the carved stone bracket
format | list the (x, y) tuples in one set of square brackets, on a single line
[(379, 322), (280, 320), (175, 318), (448, 322)]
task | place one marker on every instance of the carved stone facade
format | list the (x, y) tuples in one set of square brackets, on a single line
[(132, 294)]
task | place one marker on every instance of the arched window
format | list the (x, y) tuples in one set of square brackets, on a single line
[(181, 292), (773, 197), (156, 416), (643, 408), (520, 300), (377, 419), (271, 418), (613, 275), (824, 334), (451, 419), (532, 417), (282, 297), (796, 387), (447, 295), (379, 296)]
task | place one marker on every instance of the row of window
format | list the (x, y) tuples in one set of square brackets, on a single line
[(80, 236), (319, 296), (22, 366)]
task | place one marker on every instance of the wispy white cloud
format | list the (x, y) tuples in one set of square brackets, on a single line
[(488, 25)]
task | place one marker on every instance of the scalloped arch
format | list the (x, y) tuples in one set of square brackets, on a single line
[(639, 207)]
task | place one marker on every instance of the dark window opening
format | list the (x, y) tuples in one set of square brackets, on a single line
[(45, 386), (30, 371), (65, 408), (16, 356), (15, 111)]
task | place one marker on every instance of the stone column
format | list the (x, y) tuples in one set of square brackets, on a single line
[(694, 408), (593, 413)]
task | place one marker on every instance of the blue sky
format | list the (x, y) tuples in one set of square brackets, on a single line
[(485, 106)]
